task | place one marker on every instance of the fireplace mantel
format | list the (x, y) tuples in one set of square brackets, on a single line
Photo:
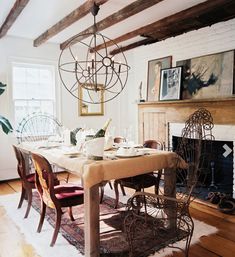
[(154, 117)]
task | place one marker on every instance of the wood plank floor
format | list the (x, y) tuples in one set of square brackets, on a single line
[(220, 244)]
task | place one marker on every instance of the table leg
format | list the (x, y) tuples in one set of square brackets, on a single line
[(170, 190), (169, 182), (92, 226)]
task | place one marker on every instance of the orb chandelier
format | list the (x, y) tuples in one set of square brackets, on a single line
[(100, 76)]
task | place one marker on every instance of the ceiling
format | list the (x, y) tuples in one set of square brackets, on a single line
[(38, 16)]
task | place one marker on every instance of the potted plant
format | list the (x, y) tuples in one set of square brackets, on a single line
[(6, 125)]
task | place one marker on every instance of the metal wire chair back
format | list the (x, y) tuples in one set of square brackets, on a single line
[(156, 221), (195, 147), (38, 126)]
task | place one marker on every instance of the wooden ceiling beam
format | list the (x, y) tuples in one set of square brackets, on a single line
[(191, 12), (74, 16), (116, 17), (146, 41), (12, 16)]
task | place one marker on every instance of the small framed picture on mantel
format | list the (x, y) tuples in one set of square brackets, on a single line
[(170, 85)]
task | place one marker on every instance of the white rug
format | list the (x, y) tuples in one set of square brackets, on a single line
[(41, 241)]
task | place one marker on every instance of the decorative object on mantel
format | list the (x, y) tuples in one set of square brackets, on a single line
[(81, 66), (209, 76), (140, 93), (170, 86), (154, 74)]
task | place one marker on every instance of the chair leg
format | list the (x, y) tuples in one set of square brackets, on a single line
[(30, 196), (110, 185), (43, 212), (158, 182), (101, 193), (123, 190), (115, 184), (71, 213), (57, 226), (22, 197), (67, 178)]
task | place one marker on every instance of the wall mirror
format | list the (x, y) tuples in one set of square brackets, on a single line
[(91, 109)]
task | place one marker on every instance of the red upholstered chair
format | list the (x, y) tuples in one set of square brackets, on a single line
[(27, 180), (140, 182), (55, 197)]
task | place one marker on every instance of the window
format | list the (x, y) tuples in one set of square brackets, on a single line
[(33, 89)]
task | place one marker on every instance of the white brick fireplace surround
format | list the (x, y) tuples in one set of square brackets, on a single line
[(220, 132)]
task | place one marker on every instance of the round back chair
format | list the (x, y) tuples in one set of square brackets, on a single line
[(38, 127)]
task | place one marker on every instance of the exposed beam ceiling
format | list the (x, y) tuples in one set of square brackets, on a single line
[(12, 16), (127, 20), (116, 17), (181, 17), (74, 16), (218, 14)]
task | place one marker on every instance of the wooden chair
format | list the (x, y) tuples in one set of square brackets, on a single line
[(140, 182), (27, 179), (166, 220), (55, 197)]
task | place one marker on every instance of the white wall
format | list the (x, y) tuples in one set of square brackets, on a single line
[(217, 38)]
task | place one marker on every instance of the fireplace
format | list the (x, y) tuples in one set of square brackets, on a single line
[(220, 174)]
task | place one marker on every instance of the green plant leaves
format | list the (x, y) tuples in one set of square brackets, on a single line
[(6, 125), (2, 87)]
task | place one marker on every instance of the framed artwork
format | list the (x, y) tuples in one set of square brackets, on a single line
[(209, 76), (154, 75), (170, 85)]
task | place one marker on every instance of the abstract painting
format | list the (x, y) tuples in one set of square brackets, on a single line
[(209, 76)]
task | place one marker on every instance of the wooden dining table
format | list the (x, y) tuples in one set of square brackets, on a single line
[(94, 172)]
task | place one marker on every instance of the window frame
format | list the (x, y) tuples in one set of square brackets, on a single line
[(14, 62)]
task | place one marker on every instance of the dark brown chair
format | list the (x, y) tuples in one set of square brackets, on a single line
[(166, 220), (27, 180), (55, 197), (140, 182), (119, 139)]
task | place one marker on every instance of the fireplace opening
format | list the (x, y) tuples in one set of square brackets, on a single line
[(217, 175)]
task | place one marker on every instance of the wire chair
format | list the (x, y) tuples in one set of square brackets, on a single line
[(157, 221), (38, 126)]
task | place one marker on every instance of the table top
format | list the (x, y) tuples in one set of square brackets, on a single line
[(111, 167)]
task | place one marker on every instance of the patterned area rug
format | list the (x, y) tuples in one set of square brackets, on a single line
[(112, 238), (113, 241)]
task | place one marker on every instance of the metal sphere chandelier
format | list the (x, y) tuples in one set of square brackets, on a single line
[(82, 67)]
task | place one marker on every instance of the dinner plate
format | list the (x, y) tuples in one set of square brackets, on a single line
[(129, 156)]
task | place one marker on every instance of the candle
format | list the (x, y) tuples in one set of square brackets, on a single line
[(93, 61), (119, 67)]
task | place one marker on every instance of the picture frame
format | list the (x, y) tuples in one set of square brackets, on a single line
[(91, 109), (170, 86), (208, 76), (154, 75)]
